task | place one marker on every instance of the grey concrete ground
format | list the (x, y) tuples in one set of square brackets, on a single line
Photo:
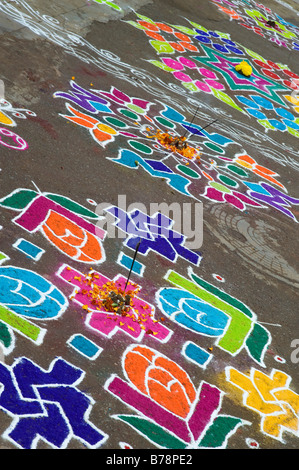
[(249, 254)]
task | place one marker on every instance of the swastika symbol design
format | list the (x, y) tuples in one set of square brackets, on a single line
[(46, 405)]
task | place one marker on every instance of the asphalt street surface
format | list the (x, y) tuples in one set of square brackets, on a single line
[(206, 353)]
